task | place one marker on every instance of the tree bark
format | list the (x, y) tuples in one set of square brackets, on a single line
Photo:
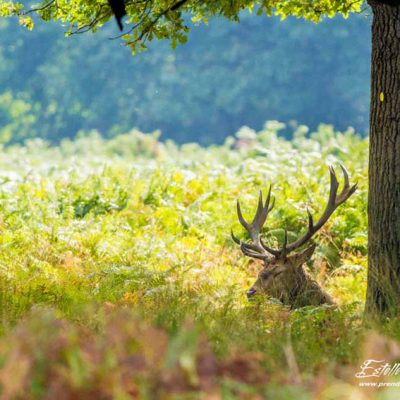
[(383, 292)]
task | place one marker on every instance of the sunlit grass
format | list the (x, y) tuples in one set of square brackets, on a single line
[(118, 253)]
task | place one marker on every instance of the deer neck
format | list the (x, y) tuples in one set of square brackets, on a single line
[(297, 286)]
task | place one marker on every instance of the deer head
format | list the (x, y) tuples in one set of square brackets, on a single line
[(282, 275)]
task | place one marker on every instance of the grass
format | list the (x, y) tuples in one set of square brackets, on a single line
[(120, 280)]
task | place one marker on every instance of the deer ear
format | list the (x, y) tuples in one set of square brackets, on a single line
[(304, 256)]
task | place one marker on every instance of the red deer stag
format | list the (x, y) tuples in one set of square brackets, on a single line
[(283, 276)]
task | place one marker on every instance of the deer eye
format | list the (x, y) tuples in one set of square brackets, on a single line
[(265, 274)]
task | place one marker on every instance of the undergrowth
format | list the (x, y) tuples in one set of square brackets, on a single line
[(120, 280)]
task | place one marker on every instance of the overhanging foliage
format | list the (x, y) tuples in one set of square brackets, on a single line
[(165, 19)]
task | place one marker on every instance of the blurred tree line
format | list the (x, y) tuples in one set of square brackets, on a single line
[(231, 75)]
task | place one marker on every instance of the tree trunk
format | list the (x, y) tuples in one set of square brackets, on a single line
[(383, 293)]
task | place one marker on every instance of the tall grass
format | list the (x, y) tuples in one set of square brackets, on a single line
[(119, 278)]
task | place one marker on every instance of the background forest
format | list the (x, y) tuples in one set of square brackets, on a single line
[(235, 74)]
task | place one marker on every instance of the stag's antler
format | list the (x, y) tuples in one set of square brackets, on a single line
[(258, 249), (334, 202)]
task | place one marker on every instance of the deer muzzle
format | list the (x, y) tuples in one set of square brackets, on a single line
[(250, 293)]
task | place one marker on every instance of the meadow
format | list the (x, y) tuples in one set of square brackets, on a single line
[(119, 278)]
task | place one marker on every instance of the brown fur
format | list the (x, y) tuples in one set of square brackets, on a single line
[(287, 281)]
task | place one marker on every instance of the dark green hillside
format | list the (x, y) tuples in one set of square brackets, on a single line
[(231, 75)]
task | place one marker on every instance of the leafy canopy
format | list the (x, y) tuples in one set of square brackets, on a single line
[(166, 19)]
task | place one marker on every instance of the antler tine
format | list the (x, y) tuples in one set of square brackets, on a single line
[(334, 201), (268, 199), (276, 253), (259, 217), (262, 210), (240, 216), (346, 184), (247, 248), (347, 191), (256, 248), (235, 239), (310, 220), (285, 241), (331, 205), (248, 252), (247, 245), (254, 228)]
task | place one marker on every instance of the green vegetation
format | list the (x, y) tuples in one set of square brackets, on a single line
[(119, 277), (235, 74)]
